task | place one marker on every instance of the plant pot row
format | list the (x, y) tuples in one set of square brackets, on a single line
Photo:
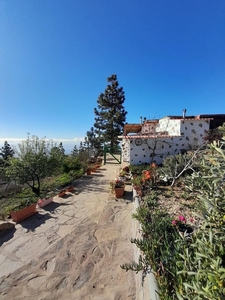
[(25, 212), (28, 211), (63, 192), (92, 169)]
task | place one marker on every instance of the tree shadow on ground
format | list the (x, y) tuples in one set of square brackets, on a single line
[(35, 221), (98, 184), (7, 235)]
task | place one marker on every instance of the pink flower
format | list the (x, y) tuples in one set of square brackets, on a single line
[(174, 222), (192, 220), (182, 218)]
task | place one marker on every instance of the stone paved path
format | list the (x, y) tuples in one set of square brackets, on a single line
[(73, 248)]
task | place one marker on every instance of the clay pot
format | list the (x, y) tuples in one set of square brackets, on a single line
[(24, 213)]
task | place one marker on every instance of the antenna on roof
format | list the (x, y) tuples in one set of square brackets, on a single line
[(184, 113)]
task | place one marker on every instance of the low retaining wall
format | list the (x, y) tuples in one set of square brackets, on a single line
[(145, 289)]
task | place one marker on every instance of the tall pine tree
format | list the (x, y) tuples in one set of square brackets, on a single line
[(6, 151), (110, 113)]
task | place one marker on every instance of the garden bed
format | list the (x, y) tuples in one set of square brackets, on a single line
[(183, 229)]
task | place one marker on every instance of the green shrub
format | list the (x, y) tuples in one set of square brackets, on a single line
[(202, 265), (70, 164), (158, 245), (189, 266)]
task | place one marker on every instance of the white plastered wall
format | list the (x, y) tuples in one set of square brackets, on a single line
[(141, 150), (125, 150), (172, 127), (149, 128), (154, 149), (194, 131)]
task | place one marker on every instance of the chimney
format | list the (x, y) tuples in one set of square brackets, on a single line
[(184, 113), (141, 120)]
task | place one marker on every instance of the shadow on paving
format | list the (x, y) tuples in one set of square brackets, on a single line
[(128, 196), (7, 235), (35, 221), (51, 206), (91, 183)]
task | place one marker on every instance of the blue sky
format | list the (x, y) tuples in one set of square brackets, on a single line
[(56, 55)]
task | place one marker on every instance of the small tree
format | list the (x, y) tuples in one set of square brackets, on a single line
[(6, 151), (75, 152), (110, 113), (33, 163)]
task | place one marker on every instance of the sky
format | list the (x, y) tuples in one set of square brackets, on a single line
[(56, 56)]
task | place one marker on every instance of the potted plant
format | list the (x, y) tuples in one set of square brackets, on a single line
[(126, 169), (70, 188), (62, 193), (42, 202), (93, 169), (88, 171), (137, 182), (122, 175), (117, 186), (26, 208)]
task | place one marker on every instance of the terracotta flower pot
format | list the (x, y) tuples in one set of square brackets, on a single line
[(24, 213), (44, 202), (88, 172), (119, 192), (70, 189), (62, 193)]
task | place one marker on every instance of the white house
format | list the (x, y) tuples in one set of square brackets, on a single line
[(153, 140)]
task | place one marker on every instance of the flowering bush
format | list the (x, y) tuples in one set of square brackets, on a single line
[(150, 174), (126, 169), (182, 224), (116, 184)]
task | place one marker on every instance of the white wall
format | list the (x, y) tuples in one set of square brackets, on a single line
[(194, 131), (171, 126), (125, 145), (154, 149), (149, 127), (140, 150)]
